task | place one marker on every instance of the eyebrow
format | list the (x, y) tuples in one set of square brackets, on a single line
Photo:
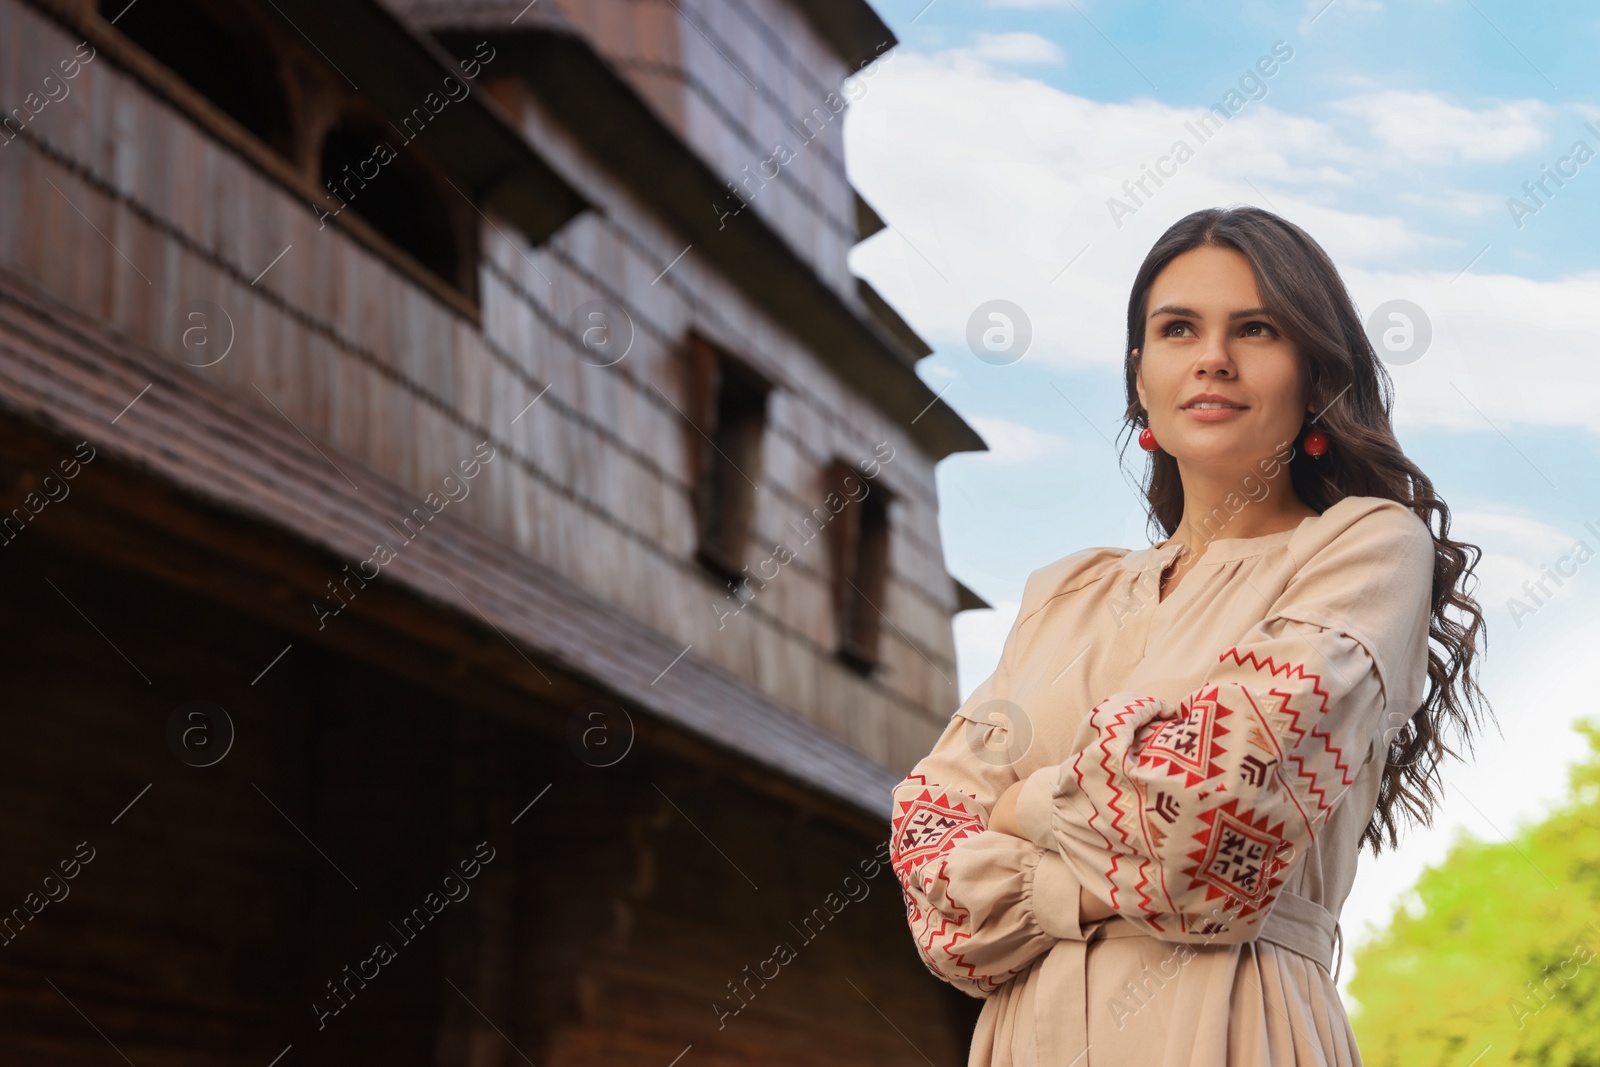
[(1173, 309)]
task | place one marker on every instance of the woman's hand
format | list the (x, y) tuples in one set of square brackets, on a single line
[(1091, 908), (1004, 816)]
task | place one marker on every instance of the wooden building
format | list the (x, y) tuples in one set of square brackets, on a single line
[(469, 542)]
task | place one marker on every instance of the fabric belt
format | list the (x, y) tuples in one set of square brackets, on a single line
[(1296, 923), (1061, 1008)]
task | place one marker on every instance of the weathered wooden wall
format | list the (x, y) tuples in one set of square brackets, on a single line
[(594, 482)]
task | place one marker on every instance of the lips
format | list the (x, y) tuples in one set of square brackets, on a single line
[(1206, 410), (1211, 401)]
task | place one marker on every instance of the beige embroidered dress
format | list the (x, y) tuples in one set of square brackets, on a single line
[(1204, 764)]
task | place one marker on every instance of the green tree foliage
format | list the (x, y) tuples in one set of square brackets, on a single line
[(1497, 956)]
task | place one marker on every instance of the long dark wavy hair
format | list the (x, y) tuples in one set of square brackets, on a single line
[(1307, 299)]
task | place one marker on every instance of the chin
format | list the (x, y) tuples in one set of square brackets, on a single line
[(1232, 452)]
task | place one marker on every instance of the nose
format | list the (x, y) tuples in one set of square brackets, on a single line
[(1215, 361)]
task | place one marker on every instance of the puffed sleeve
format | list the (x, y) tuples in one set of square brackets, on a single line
[(982, 905), (1186, 818)]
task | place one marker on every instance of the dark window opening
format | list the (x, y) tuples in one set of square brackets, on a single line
[(732, 418), (380, 179), (219, 53), (861, 564)]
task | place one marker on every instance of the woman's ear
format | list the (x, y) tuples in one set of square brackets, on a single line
[(1138, 378)]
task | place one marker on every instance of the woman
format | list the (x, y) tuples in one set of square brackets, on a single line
[(1134, 839)]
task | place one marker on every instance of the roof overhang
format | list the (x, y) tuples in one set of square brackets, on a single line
[(890, 319), (852, 27), (398, 68), (626, 136), (967, 598), (868, 221)]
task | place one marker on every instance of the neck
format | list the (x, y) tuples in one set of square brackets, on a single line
[(1227, 504)]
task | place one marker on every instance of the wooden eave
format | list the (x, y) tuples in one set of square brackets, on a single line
[(626, 136), (398, 67), (852, 27), (890, 319), (967, 599), (395, 67), (868, 221)]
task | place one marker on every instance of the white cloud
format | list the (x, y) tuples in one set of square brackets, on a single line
[(1455, 201), (1515, 546), (1507, 353), (1424, 127), (994, 183), (1012, 442), (1019, 49)]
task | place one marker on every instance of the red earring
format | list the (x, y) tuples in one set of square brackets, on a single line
[(1147, 440), (1315, 443)]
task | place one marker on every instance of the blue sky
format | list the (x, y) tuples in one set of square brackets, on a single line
[(990, 141)]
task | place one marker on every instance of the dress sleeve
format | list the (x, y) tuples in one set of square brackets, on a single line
[(982, 905), (1185, 818)]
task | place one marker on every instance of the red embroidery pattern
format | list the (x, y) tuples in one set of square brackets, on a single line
[(1113, 724), (924, 829), (928, 826), (1190, 745), (1237, 860), (1228, 741), (1289, 720)]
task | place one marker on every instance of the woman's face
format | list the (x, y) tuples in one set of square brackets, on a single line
[(1206, 332)]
